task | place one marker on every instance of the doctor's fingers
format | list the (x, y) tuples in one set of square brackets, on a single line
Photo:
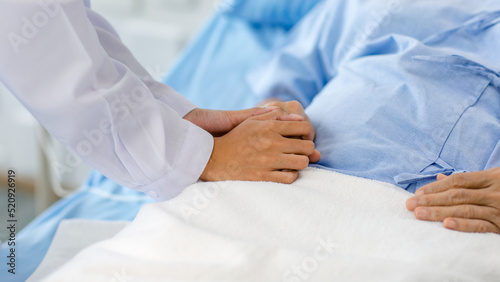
[(237, 117), (278, 114)]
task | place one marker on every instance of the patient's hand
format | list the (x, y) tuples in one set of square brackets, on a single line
[(468, 202), (293, 107), (267, 147)]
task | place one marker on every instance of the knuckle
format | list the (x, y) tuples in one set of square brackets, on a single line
[(281, 112), (495, 173), (294, 104), (310, 147), (496, 217), (458, 180), (290, 177), (266, 160), (263, 144), (302, 162), (308, 127), (469, 212), (436, 214), (262, 176), (460, 225), (483, 227), (305, 128), (495, 197), (277, 126), (419, 213), (424, 200), (268, 124), (456, 196), (464, 225)]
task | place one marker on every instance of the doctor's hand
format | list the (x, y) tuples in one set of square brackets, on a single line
[(267, 147), (219, 123), (468, 202)]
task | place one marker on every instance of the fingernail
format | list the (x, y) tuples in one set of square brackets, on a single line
[(419, 192), (269, 107), (452, 224), (295, 116), (412, 204), (440, 176), (422, 213)]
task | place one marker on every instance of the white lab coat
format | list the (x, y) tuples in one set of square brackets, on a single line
[(67, 65)]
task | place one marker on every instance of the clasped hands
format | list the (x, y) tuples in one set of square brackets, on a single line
[(270, 143)]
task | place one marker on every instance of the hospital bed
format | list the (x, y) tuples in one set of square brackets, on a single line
[(214, 63), (214, 54)]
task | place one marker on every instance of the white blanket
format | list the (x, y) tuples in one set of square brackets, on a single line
[(72, 236), (325, 227)]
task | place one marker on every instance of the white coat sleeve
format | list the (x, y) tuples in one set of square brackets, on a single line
[(127, 127), (112, 44)]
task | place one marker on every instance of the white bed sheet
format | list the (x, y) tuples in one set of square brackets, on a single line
[(324, 227)]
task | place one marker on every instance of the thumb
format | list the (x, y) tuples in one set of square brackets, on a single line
[(315, 157)]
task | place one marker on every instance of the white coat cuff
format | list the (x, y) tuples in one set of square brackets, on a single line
[(170, 97), (193, 158)]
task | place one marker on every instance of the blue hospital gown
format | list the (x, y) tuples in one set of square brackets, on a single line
[(397, 91)]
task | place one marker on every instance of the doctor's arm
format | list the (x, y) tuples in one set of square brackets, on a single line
[(218, 123), (215, 122), (54, 63), (98, 107)]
